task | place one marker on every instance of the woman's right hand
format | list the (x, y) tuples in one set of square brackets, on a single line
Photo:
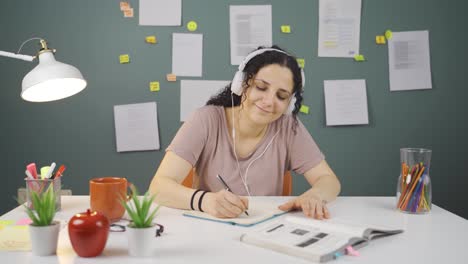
[(224, 204)]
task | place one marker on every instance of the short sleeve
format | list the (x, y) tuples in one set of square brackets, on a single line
[(304, 153), (189, 141)]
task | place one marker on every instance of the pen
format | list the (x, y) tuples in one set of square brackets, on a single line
[(227, 187)]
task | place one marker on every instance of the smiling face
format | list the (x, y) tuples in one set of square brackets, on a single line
[(268, 94)]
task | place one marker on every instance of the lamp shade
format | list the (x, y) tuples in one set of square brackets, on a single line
[(51, 80)]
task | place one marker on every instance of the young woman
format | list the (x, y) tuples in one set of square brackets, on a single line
[(248, 135)]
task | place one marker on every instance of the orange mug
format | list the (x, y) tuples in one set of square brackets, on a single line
[(106, 195)]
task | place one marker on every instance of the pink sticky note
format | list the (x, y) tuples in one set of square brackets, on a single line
[(350, 251), (24, 221)]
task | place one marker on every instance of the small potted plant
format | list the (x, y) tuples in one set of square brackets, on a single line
[(43, 230), (141, 231)]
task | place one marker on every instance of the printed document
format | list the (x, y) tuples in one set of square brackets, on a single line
[(160, 13), (339, 28), (187, 54), (250, 27), (409, 61), (195, 94), (346, 102)]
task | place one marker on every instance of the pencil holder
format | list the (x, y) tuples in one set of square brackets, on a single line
[(414, 192), (40, 186)]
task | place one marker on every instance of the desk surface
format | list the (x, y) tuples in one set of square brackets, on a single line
[(438, 237)]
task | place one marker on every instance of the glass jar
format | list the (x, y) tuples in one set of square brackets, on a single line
[(414, 192)]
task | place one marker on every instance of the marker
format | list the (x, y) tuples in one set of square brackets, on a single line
[(32, 169), (51, 169), (59, 172)]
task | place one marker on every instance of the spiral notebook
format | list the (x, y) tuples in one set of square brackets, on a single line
[(259, 212)]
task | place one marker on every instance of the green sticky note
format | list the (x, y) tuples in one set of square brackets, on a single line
[(301, 62), (388, 34), (304, 109), (359, 57)]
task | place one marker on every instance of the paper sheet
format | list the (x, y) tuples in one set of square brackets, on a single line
[(195, 94), (409, 61), (339, 28), (136, 127), (14, 238), (187, 54), (346, 102), (160, 13), (250, 27)]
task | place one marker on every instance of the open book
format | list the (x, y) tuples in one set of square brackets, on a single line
[(315, 240), (259, 211)]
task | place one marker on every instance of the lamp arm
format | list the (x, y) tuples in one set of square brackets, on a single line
[(16, 56)]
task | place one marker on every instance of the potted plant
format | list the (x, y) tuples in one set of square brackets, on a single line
[(43, 230), (141, 231)]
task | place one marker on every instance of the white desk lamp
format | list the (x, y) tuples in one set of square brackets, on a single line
[(50, 80)]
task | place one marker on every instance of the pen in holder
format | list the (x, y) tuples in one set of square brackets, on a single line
[(414, 192), (40, 186)]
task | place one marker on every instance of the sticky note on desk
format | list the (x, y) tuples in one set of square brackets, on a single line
[(301, 62), (304, 109), (359, 58), (124, 58), (151, 39), (380, 40), (14, 238), (285, 28), (154, 86)]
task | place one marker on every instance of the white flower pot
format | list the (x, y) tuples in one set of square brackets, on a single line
[(141, 241), (44, 239)]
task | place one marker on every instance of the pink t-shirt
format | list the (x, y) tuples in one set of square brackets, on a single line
[(204, 141)]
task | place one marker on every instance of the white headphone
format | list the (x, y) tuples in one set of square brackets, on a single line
[(236, 85)]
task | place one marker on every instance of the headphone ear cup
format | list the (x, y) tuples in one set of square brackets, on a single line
[(236, 85), (291, 105)]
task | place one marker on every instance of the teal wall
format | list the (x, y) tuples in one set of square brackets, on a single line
[(90, 34)]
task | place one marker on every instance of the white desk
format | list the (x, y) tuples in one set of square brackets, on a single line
[(438, 237)]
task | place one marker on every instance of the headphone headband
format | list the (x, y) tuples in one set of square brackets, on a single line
[(236, 85)]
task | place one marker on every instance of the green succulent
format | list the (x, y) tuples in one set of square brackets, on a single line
[(44, 207), (139, 210)]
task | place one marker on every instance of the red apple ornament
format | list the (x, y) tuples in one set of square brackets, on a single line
[(88, 232)]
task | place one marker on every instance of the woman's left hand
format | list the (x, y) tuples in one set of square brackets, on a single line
[(310, 203)]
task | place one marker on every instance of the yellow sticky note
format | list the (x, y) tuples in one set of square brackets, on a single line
[(124, 58), (304, 109), (359, 57), (380, 39), (151, 39), (192, 25), (285, 29), (388, 34), (128, 12), (154, 86), (171, 77), (301, 62)]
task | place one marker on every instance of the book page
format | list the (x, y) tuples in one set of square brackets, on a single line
[(259, 210), (301, 240)]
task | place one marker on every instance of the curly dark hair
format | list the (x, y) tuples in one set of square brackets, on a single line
[(251, 69)]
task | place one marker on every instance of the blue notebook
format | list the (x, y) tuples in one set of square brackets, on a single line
[(259, 212)]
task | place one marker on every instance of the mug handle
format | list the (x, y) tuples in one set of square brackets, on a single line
[(129, 187)]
